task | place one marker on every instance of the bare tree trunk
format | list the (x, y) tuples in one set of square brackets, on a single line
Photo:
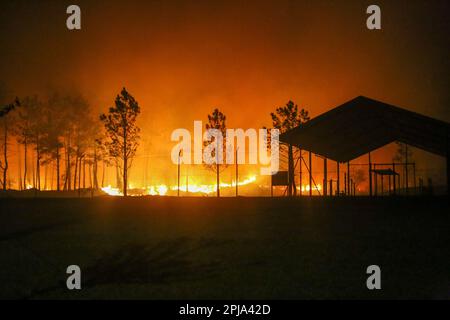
[(34, 171), (38, 165), (95, 170), (125, 171), (103, 173), (45, 177), (84, 173), (57, 169), (65, 161), (52, 176), (90, 175), (68, 170), (19, 158), (291, 188), (5, 153), (118, 178), (25, 165), (217, 180), (75, 174), (79, 177), (125, 163)]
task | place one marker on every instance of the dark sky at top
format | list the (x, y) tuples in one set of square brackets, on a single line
[(182, 58)]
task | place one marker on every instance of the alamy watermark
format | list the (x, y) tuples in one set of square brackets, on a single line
[(73, 21), (212, 147)]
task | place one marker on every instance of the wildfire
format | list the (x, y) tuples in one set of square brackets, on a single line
[(161, 190), (211, 188), (112, 191), (305, 188)]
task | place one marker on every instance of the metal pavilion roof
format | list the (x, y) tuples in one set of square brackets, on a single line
[(362, 125)]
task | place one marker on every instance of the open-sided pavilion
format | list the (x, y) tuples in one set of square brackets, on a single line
[(362, 125)]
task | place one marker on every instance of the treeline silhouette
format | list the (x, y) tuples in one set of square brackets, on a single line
[(60, 131), (63, 133)]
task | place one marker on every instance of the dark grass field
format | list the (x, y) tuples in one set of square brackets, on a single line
[(228, 248)]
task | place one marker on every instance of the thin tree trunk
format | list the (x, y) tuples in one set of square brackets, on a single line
[(65, 161), (103, 174), (95, 170), (45, 176), (57, 169), (38, 165), (91, 165), (125, 163), (218, 180), (19, 158), (118, 178), (125, 169), (5, 153), (79, 177), (38, 171), (25, 165), (75, 174), (84, 173), (69, 173), (52, 176), (291, 188), (33, 171)]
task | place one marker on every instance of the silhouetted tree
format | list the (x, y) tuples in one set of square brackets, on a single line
[(359, 176), (23, 133), (83, 140), (101, 153), (37, 135), (286, 118), (217, 120), (96, 156), (61, 124), (122, 132), (403, 155), (55, 122), (5, 113)]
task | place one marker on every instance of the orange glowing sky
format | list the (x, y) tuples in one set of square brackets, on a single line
[(182, 58)]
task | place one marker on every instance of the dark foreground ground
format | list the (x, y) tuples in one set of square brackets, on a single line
[(233, 248)]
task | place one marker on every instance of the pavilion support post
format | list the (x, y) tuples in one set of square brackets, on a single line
[(395, 177), (448, 173), (348, 178), (300, 171), (178, 189), (406, 168), (345, 183), (325, 177), (370, 176), (290, 169), (338, 179), (271, 186), (448, 166), (389, 185), (237, 173), (331, 187), (376, 179), (310, 173)]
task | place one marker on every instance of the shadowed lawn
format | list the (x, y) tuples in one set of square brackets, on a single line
[(188, 248)]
